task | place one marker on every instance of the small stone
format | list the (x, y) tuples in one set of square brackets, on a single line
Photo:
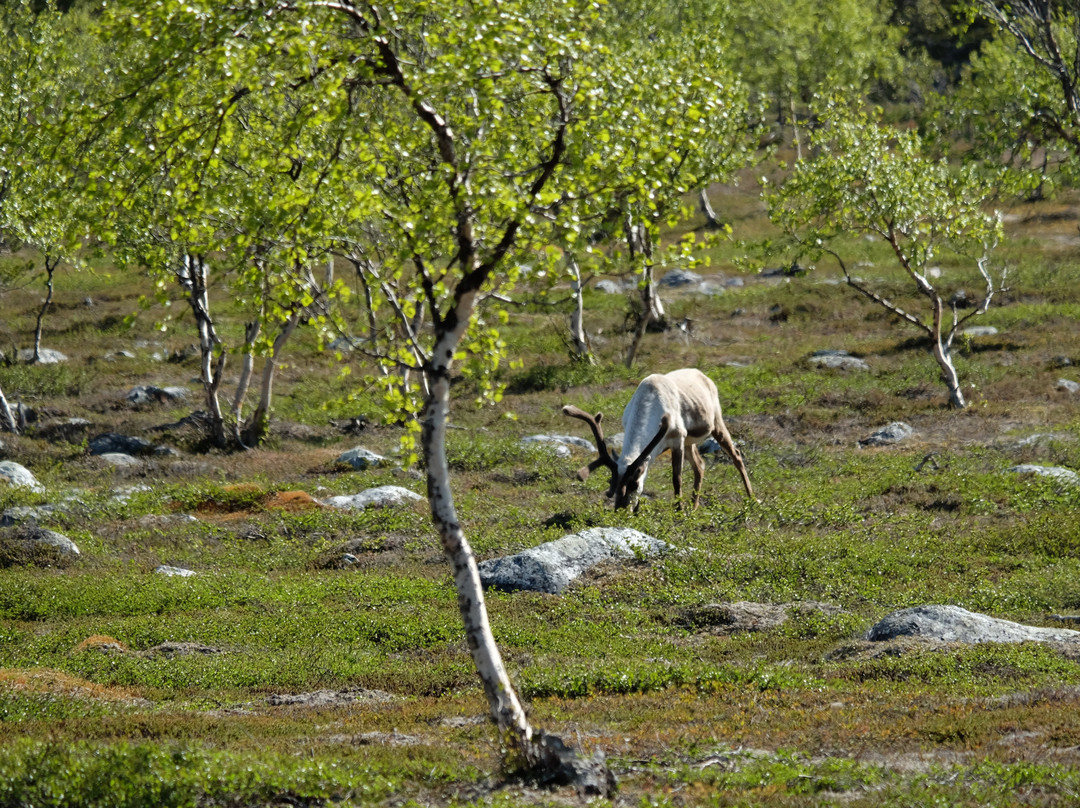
[(979, 331), (1068, 386)]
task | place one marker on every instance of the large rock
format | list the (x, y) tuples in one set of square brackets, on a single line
[(837, 360), (560, 444), (19, 476), (384, 496), (1067, 476), (888, 435), (954, 624), (677, 278), (33, 545), (71, 430), (46, 356), (360, 458), (112, 443), (148, 394), (551, 567)]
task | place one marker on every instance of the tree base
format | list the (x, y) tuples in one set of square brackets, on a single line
[(552, 763)]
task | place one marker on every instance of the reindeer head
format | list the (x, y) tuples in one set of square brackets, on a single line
[(624, 487), (607, 458)]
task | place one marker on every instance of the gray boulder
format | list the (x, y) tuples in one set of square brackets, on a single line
[(383, 496), (148, 394), (979, 331), (111, 442), (174, 572), (31, 535), (610, 287), (66, 429), (837, 360), (954, 624), (551, 567), (18, 514), (1068, 386), (1067, 476), (560, 444), (119, 459), (678, 278), (360, 458), (46, 356), (888, 435), (18, 476)]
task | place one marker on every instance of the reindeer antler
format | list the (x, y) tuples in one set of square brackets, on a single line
[(605, 459)]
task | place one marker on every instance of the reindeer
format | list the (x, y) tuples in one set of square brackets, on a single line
[(667, 411)]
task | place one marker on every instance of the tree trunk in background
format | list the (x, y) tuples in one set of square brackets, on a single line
[(258, 425), (711, 221), (6, 417), (50, 271), (652, 310), (578, 336), (193, 277), (944, 359)]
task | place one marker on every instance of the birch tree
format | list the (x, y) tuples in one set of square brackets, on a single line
[(866, 178), (458, 134)]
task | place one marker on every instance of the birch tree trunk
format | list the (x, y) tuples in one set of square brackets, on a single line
[(944, 359), (259, 423), (711, 221), (50, 272), (193, 276), (6, 416), (578, 336)]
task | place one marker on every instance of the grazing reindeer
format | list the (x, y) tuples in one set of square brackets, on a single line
[(667, 411)]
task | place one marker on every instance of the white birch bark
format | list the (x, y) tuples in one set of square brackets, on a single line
[(502, 699)]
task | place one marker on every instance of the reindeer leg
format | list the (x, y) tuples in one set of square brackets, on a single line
[(728, 445), (698, 465), (676, 473)]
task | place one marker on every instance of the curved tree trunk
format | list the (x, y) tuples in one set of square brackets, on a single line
[(502, 699), (944, 359), (50, 272)]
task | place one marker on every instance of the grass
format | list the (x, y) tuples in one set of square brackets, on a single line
[(121, 686)]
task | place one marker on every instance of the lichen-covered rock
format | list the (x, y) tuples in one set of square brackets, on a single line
[(112, 443), (955, 624), (383, 496), (18, 476), (559, 444), (888, 435), (837, 360), (360, 458), (174, 572), (149, 394), (1067, 476), (551, 567)]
